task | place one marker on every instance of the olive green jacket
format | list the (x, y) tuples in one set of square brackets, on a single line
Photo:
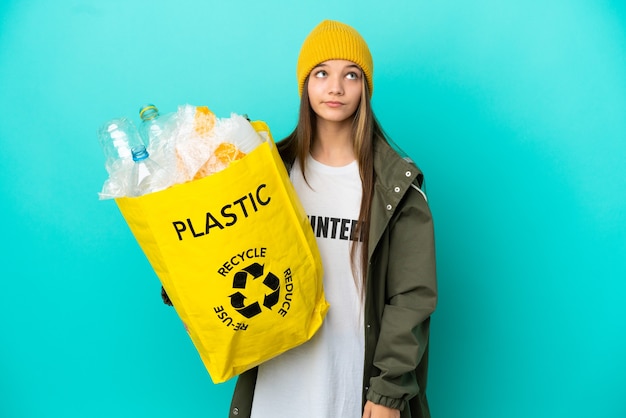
[(401, 293)]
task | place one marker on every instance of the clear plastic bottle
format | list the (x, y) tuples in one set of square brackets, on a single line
[(157, 131), (144, 177), (150, 127), (246, 138), (117, 137)]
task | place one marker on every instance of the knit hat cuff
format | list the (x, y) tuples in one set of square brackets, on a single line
[(334, 40)]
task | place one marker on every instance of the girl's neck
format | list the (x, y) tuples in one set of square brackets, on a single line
[(333, 144)]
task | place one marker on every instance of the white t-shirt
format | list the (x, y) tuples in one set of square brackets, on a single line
[(322, 378)]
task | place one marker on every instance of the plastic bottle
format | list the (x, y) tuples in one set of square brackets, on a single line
[(117, 137), (145, 173), (158, 133), (150, 128), (244, 135)]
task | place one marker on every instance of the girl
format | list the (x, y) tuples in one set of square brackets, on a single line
[(375, 234)]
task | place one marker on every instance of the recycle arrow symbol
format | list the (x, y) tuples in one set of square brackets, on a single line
[(241, 277), (273, 283), (237, 300)]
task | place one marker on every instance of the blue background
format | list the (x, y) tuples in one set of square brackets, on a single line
[(515, 110)]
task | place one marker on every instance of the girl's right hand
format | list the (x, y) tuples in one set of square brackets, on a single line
[(373, 410)]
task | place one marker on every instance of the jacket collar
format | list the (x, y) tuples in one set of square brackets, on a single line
[(394, 176)]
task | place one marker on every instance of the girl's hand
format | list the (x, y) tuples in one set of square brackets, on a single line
[(373, 410), (166, 299)]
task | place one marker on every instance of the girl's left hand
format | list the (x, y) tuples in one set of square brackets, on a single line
[(373, 410)]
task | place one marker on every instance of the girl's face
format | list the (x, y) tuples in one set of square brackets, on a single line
[(334, 90)]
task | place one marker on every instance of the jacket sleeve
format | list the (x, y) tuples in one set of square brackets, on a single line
[(411, 297)]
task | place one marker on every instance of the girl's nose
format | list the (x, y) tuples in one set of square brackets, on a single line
[(336, 86)]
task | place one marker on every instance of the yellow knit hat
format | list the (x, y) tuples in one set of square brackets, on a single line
[(334, 40)]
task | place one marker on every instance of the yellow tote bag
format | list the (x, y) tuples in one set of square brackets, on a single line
[(238, 259)]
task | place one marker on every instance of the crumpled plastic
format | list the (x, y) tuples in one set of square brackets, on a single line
[(194, 143)]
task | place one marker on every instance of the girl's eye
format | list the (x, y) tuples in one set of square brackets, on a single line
[(320, 74), (352, 76)]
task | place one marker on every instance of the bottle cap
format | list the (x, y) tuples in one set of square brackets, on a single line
[(148, 112)]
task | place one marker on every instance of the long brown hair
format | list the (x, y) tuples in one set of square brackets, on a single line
[(365, 130)]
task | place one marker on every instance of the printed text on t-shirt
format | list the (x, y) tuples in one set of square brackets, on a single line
[(336, 228)]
